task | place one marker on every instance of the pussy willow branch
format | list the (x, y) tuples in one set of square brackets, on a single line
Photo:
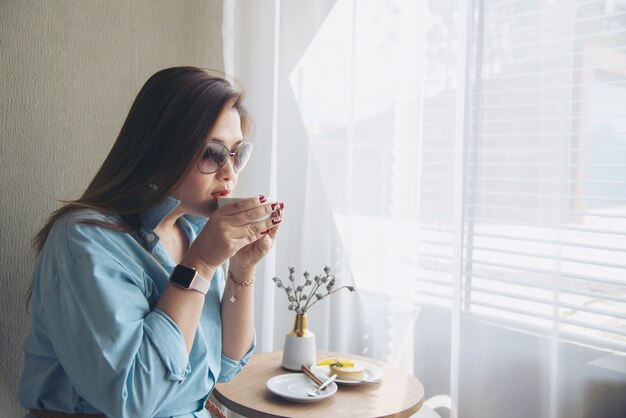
[(328, 293), (293, 283), (314, 289), (287, 293), (298, 295)]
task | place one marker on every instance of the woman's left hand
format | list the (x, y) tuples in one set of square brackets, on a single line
[(248, 256)]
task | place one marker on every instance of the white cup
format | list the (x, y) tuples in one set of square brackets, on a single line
[(228, 200)]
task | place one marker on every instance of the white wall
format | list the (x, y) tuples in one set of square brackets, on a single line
[(69, 71)]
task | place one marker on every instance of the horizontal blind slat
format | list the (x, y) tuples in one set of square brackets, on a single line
[(526, 165), (547, 257), (499, 193), (537, 284), (546, 180), (596, 327), (513, 150), (531, 240), (566, 335), (547, 302), (556, 228), (512, 2), (555, 40), (488, 90), (587, 278), (516, 16), (544, 26), (564, 213), (551, 242)]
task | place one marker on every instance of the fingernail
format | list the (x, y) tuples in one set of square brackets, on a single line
[(274, 206), (282, 205), (262, 198), (276, 220), (265, 232)]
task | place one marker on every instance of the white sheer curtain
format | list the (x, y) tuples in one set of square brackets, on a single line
[(263, 42), (464, 164)]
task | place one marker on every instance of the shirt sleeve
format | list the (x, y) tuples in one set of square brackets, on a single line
[(124, 358), (230, 368)]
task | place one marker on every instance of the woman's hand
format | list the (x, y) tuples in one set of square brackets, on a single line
[(231, 232), (248, 256)]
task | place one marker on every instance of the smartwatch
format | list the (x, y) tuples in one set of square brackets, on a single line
[(189, 279)]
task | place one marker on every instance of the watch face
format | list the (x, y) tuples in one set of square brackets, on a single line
[(183, 276)]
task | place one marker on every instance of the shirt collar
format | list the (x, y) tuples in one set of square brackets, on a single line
[(150, 218)]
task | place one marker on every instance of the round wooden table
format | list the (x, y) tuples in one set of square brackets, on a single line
[(399, 395)]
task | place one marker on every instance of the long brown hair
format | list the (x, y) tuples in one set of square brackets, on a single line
[(162, 138)]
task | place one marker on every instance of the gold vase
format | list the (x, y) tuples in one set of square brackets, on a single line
[(299, 326)]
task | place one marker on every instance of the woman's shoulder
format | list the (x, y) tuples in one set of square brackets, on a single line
[(86, 220), (86, 243), (82, 228)]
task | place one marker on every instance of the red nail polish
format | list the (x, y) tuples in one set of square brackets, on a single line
[(265, 232), (282, 206), (274, 206), (276, 220), (262, 198)]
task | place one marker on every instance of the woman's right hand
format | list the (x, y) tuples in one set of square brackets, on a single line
[(229, 229)]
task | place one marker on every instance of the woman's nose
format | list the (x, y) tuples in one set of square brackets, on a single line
[(227, 171)]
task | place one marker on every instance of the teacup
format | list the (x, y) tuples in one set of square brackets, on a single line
[(228, 200)]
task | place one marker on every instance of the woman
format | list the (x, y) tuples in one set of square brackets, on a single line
[(128, 318)]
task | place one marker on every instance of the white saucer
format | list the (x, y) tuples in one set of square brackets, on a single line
[(294, 386), (372, 372)]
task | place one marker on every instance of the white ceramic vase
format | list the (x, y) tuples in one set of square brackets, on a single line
[(299, 346)]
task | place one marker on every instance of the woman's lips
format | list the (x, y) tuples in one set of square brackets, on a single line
[(221, 193)]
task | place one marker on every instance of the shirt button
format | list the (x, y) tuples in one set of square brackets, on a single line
[(150, 237)]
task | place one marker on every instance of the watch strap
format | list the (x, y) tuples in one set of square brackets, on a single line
[(200, 284)]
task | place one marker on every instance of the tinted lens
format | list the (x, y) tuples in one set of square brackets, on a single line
[(241, 157), (213, 158)]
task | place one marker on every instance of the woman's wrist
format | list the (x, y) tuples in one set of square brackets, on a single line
[(202, 268), (241, 271)]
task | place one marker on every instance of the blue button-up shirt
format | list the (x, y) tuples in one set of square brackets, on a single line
[(98, 344)]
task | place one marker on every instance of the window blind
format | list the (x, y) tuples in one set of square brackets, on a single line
[(544, 231)]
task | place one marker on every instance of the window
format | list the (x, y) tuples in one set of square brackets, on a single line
[(544, 192)]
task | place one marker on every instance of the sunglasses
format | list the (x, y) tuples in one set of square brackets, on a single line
[(216, 154)]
